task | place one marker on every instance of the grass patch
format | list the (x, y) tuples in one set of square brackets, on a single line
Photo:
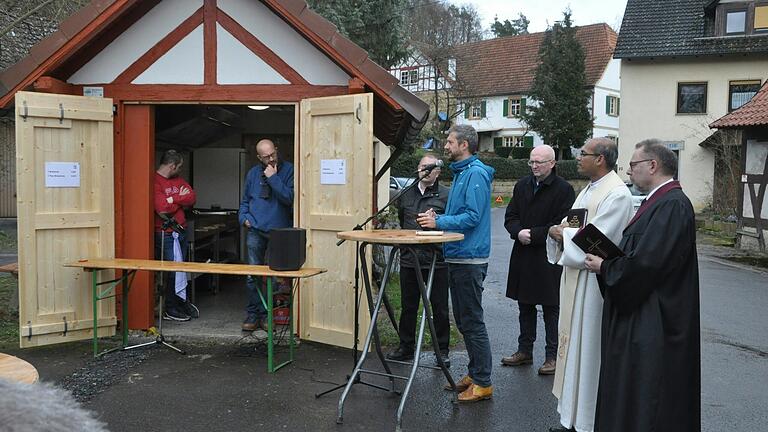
[(9, 317), (756, 261), (7, 242), (387, 333)]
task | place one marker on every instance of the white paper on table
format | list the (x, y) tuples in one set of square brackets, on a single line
[(62, 174), (333, 171)]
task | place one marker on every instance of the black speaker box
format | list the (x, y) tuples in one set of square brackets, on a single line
[(287, 249)]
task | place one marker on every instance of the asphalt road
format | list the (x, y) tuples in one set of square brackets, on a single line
[(226, 387)]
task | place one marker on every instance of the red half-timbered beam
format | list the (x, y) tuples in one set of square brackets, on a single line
[(209, 41), (254, 44), (162, 47), (46, 84), (219, 93)]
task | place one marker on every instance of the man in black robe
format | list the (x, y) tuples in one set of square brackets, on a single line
[(539, 201), (650, 374)]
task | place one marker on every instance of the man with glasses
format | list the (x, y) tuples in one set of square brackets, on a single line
[(539, 201), (609, 207), (267, 204), (650, 374), (428, 194)]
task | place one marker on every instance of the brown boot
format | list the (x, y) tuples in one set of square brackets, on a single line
[(476, 393), (517, 359), (462, 385), (548, 368)]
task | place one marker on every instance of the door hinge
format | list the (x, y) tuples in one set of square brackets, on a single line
[(61, 113), (357, 113), (25, 110)]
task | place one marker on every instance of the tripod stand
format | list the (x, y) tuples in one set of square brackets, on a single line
[(159, 337)]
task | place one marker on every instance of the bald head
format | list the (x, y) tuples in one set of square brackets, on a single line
[(266, 152), (545, 151)]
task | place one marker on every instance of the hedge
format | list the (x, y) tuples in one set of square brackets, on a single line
[(506, 169)]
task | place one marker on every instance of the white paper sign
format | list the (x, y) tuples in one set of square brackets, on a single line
[(62, 174), (333, 171), (93, 91)]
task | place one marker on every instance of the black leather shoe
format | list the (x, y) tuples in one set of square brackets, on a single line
[(446, 360), (561, 429), (401, 354)]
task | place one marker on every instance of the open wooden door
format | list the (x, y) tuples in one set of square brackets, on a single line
[(65, 207), (337, 134)]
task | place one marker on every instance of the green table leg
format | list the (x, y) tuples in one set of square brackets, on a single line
[(126, 281), (94, 280), (270, 329)]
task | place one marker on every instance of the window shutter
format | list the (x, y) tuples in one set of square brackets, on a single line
[(522, 105), (467, 107), (498, 142), (608, 105), (618, 105), (505, 110), (528, 141), (482, 110)]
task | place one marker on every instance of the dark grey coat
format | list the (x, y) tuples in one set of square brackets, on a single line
[(409, 205), (532, 279)]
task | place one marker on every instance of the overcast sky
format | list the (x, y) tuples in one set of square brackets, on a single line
[(544, 12)]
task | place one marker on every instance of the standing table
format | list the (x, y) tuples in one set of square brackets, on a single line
[(398, 239), (131, 266)]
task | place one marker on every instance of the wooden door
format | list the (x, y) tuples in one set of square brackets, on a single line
[(65, 210), (334, 130)]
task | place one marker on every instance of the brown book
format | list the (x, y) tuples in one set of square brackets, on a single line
[(592, 241), (576, 218)]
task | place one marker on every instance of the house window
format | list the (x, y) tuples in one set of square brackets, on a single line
[(736, 22), (409, 77), (404, 81), (514, 107), (414, 73), (475, 112), (691, 98), (612, 106), (761, 18), (740, 92), (513, 141)]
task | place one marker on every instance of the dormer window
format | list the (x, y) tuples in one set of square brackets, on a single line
[(736, 22), (738, 18)]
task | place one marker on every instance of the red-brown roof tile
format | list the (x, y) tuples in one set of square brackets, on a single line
[(507, 65), (752, 113)]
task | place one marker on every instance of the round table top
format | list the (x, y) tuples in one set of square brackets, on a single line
[(16, 369), (399, 236)]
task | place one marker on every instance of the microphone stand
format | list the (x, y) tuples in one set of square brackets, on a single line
[(387, 305)]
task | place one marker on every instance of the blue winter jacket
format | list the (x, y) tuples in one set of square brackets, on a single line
[(469, 210), (276, 211)]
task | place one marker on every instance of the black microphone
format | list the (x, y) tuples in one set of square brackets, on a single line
[(430, 167)]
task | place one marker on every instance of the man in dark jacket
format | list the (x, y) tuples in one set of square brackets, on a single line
[(539, 201), (428, 194), (267, 204)]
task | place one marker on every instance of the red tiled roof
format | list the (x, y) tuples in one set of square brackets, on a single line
[(752, 113), (507, 65), (399, 115)]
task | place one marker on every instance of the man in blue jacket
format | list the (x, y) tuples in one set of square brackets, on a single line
[(468, 212), (267, 204)]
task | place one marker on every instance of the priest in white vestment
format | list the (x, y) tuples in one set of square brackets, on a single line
[(609, 208)]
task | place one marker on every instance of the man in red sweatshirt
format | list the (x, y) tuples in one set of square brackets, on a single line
[(172, 196)]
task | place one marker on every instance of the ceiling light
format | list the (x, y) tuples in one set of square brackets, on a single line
[(258, 107)]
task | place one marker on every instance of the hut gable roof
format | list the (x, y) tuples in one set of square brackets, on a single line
[(752, 113), (399, 115)]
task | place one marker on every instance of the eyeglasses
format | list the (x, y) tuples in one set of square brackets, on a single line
[(633, 164), (584, 154), (538, 163), (270, 156)]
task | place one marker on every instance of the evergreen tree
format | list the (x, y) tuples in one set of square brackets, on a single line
[(377, 26), (510, 28), (561, 116)]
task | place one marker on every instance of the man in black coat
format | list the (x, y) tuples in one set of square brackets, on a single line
[(428, 194), (650, 363), (539, 201)]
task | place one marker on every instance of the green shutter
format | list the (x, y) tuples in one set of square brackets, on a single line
[(482, 110), (528, 141), (522, 105), (608, 105), (505, 110), (467, 107), (498, 142)]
